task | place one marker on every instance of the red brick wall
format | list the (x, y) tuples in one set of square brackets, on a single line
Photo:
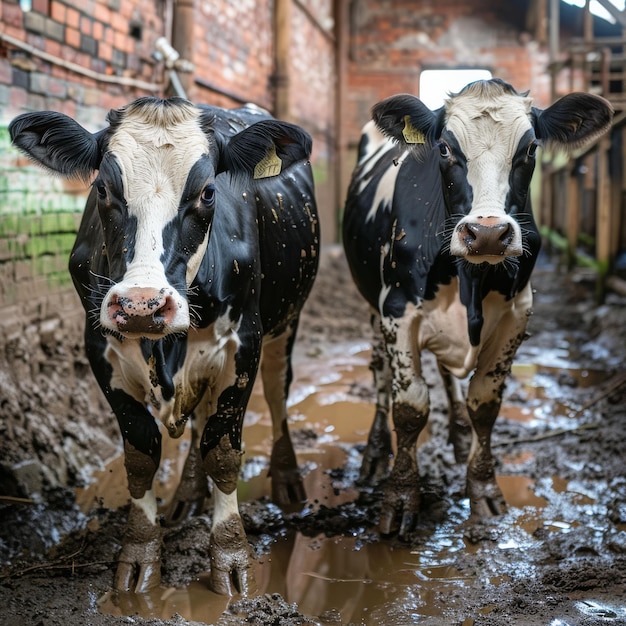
[(94, 35), (233, 56), (392, 42)]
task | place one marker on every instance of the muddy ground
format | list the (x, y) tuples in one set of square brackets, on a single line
[(557, 557)]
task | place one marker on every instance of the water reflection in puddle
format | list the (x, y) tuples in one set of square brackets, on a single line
[(364, 582)]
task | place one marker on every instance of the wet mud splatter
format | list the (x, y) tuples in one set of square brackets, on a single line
[(556, 556)]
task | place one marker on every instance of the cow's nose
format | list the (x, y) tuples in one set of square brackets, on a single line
[(486, 240), (142, 311)]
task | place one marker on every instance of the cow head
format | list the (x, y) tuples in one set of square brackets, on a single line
[(485, 138), (154, 172)]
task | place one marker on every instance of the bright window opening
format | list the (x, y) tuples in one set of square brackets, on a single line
[(435, 85)]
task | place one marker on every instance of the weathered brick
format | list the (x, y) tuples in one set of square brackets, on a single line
[(72, 37), (39, 83), (97, 31), (86, 25), (6, 74), (88, 45), (105, 51), (72, 18), (54, 30), (58, 11), (119, 58), (20, 78), (12, 15), (34, 22), (41, 6)]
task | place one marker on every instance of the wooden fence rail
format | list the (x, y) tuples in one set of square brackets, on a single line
[(582, 206)]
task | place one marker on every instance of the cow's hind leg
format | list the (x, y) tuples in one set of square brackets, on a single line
[(193, 488), (410, 410), (460, 428), (378, 451), (139, 563), (277, 374)]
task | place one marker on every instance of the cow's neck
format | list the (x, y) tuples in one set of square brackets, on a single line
[(475, 282)]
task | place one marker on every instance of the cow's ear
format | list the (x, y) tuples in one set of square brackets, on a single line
[(264, 149), (406, 119), (573, 121), (57, 143)]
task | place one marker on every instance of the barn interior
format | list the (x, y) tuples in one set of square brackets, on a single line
[(558, 555)]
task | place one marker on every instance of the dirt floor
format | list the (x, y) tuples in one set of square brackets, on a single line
[(556, 558)]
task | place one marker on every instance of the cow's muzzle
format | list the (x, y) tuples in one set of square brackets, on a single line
[(141, 311), (487, 237)]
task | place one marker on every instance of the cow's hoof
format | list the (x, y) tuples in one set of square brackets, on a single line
[(374, 468), (139, 565), (485, 507), (230, 558), (287, 486), (486, 499), (399, 512), (288, 489), (223, 582), (137, 577)]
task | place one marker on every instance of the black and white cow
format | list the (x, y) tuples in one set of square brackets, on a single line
[(440, 238), (196, 252)]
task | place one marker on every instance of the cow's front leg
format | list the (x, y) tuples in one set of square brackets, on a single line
[(139, 563), (410, 409), (378, 451), (228, 544), (193, 488), (484, 399), (485, 497), (277, 374)]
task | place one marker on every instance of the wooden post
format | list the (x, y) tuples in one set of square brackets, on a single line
[(572, 216), (603, 218), (342, 174), (553, 44), (282, 44), (183, 39), (545, 213)]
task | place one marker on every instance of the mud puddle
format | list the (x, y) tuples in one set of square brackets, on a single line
[(366, 582)]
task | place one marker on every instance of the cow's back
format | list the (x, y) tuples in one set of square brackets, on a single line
[(395, 202)]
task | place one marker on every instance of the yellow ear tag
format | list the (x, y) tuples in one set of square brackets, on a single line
[(269, 165), (410, 133)]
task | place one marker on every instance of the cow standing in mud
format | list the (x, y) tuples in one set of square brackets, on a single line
[(196, 252), (440, 239)]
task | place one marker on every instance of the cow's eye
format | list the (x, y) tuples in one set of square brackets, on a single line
[(532, 148), (444, 150), (208, 195)]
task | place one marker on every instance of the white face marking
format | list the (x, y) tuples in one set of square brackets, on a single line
[(155, 149), (155, 158), (377, 145), (489, 132)]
